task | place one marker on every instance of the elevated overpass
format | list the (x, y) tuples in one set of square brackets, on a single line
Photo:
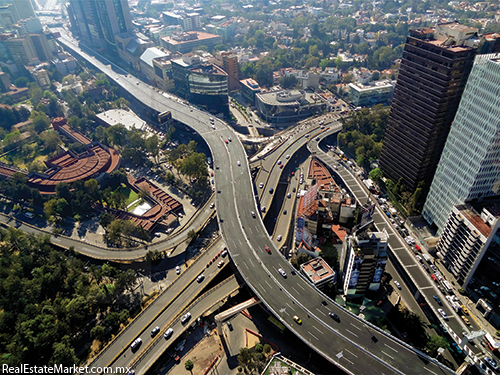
[(354, 344)]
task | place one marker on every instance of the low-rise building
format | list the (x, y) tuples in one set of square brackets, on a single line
[(318, 272), (288, 105), (379, 92), (187, 41)]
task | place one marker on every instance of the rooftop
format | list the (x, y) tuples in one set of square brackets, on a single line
[(193, 35), (317, 270)]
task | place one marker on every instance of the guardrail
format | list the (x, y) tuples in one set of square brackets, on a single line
[(159, 338), (102, 352)]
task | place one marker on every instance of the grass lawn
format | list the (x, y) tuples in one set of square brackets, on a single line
[(21, 159), (129, 193)]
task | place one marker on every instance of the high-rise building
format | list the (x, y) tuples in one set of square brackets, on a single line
[(434, 70), (363, 260), (229, 62), (22, 50), (469, 165), (469, 239), (97, 22)]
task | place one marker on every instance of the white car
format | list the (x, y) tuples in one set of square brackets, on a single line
[(398, 285), (168, 333), (136, 343), (288, 156), (443, 314), (185, 318), (261, 185), (177, 270), (278, 238), (282, 273), (239, 163), (200, 278)]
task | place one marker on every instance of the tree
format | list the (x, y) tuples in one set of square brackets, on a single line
[(376, 174), (50, 139), (189, 365), (98, 333), (21, 82), (435, 342)]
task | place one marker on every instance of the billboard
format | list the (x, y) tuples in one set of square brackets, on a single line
[(367, 215), (307, 238), (300, 229)]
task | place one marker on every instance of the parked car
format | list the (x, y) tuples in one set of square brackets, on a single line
[(398, 285)]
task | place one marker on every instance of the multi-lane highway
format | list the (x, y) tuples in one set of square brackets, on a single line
[(353, 344), (418, 277), (163, 312)]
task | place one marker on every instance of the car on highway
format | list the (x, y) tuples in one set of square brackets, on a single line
[(168, 333), (229, 325), (263, 209), (224, 253), (334, 316), (443, 314), (398, 285), (492, 363), (438, 300), (213, 127), (456, 347), (229, 139), (281, 272), (131, 372), (279, 162), (136, 343), (271, 190), (268, 249), (253, 214), (226, 141), (239, 164), (433, 277), (288, 156), (297, 320), (281, 166), (185, 317), (261, 185), (212, 205), (466, 321), (200, 278), (293, 190), (155, 331), (278, 238), (177, 270), (220, 264), (289, 195), (284, 212), (465, 309)]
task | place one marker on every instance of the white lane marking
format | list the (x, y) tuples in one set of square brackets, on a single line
[(267, 282), (301, 287), (245, 264), (296, 291), (288, 305), (432, 372), (321, 312), (313, 335), (348, 360), (355, 326), (352, 333), (317, 329), (251, 262), (351, 353), (426, 287), (387, 354), (390, 347)]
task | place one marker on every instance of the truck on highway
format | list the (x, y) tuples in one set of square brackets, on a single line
[(368, 183), (427, 258)]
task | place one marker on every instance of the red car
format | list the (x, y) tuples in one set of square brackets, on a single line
[(433, 277), (281, 166), (226, 141), (268, 249), (211, 173)]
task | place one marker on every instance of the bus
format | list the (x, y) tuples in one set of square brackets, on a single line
[(164, 117), (277, 324), (492, 344), (447, 286)]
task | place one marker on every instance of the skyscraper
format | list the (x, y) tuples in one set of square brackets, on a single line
[(97, 22), (470, 164), (434, 70)]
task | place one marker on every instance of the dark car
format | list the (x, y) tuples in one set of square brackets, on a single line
[(334, 317), (438, 300)]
